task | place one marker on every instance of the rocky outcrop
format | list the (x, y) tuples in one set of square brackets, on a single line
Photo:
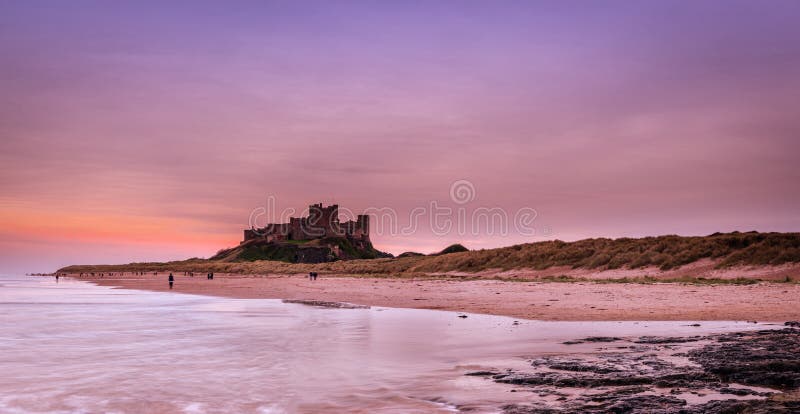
[(642, 377)]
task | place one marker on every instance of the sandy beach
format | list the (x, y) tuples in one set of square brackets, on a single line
[(528, 300)]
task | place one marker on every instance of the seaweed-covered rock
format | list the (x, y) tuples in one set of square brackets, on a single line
[(645, 378), (762, 358), (744, 406)]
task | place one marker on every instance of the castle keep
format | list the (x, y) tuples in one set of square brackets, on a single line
[(322, 222)]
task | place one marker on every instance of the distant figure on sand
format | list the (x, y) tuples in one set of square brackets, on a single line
[(312, 276), (171, 280), (56, 278)]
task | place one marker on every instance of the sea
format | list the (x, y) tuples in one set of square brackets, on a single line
[(70, 346)]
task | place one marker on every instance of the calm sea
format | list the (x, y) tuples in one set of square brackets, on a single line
[(73, 347)]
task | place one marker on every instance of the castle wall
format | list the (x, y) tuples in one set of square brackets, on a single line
[(363, 225), (295, 229), (321, 222)]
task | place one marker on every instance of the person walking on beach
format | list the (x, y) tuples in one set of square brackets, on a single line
[(171, 280)]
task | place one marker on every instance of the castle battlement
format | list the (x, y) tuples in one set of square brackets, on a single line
[(321, 222)]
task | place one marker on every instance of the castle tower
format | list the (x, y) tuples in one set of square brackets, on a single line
[(323, 221), (362, 224)]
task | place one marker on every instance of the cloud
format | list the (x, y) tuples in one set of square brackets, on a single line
[(608, 119)]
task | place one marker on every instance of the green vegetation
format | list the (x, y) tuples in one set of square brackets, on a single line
[(663, 252), (293, 251), (297, 242), (349, 251), (410, 254), (453, 248), (284, 253)]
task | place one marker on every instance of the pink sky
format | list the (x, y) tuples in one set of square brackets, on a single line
[(148, 132)]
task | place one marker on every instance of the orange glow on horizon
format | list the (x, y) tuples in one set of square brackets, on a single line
[(113, 229)]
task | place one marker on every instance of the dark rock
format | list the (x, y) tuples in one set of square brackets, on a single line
[(481, 373), (559, 380), (619, 392), (643, 404), (636, 404), (747, 406), (520, 409), (602, 339), (763, 358), (578, 367), (638, 380), (740, 391), (666, 340), (326, 304)]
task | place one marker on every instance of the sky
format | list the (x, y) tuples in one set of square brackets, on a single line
[(151, 130)]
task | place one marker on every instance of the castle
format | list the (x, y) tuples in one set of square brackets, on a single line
[(322, 222)]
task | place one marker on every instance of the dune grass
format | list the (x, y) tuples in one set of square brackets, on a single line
[(663, 252), (648, 280)]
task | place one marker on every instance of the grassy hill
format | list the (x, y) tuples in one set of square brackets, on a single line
[(298, 251), (662, 252)]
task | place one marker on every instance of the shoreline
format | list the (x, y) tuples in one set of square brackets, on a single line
[(553, 301)]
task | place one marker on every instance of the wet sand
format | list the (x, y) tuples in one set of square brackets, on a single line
[(479, 363), (572, 301)]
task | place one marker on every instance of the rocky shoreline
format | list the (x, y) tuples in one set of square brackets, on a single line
[(752, 372), (326, 304)]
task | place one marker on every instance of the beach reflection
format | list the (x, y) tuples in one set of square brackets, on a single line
[(76, 347)]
